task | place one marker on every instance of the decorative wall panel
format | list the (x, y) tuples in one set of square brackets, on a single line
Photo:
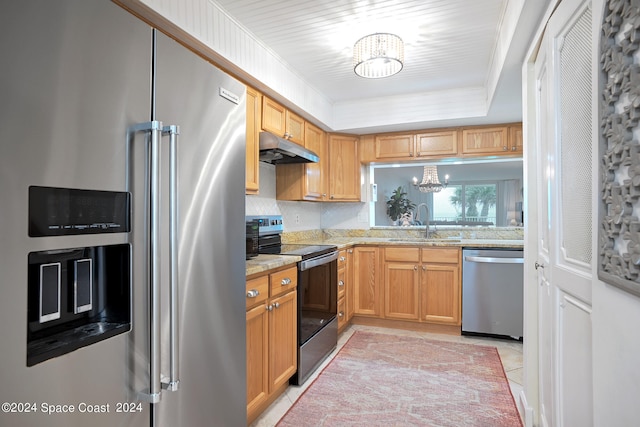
[(619, 234)]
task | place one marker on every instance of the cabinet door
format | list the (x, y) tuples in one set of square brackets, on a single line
[(294, 128), (437, 144), (366, 281), (273, 117), (440, 294), (257, 358), (253, 133), (344, 168), (283, 346), (491, 140), (349, 284), (401, 290), (515, 139), (394, 146), (314, 140)]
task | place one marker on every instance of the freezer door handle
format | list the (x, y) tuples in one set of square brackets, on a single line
[(494, 260), (173, 383), (154, 128)]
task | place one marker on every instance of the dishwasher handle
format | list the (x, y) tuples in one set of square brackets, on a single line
[(494, 260)]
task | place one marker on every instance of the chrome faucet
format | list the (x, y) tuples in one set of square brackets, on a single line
[(426, 220)]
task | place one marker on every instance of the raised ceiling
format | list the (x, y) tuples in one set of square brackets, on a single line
[(452, 48)]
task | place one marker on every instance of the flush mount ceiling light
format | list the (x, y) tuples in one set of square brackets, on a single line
[(378, 55), (430, 182)]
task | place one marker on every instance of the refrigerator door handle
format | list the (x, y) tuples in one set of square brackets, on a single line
[(153, 394), (174, 363)]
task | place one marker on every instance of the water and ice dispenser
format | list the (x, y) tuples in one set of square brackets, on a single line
[(77, 296)]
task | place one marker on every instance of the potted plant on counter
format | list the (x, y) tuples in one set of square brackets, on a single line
[(399, 205)]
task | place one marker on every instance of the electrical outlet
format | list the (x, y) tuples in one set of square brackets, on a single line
[(297, 219)]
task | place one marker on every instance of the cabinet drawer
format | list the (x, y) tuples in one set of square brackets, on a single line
[(443, 255), (257, 290), (342, 259), (342, 281), (283, 281), (342, 312), (405, 254)]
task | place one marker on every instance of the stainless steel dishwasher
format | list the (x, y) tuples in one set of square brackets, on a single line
[(492, 292)]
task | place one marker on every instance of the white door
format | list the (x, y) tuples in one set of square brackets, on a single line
[(564, 143)]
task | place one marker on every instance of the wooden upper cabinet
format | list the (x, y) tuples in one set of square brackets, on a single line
[(515, 138), (304, 181), (294, 128), (394, 146), (423, 145), (273, 117), (485, 140), (282, 122), (254, 104), (437, 143), (344, 168)]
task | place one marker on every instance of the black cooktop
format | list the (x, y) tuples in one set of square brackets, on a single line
[(305, 251)]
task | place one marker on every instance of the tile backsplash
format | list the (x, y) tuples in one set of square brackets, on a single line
[(299, 216)]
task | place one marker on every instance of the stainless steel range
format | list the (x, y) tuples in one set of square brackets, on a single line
[(317, 294)]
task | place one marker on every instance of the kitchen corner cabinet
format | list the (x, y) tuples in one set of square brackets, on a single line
[(343, 167), (367, 294), (271, 337), (345, 288), (254, 107), (282, 122), (494, 140), (304, 181)]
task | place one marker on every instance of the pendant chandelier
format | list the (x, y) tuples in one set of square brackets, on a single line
[(430, 182), (378, 55)]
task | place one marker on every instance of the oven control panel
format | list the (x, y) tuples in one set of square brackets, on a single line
[(267, 224)]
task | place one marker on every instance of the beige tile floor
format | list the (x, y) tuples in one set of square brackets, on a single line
[(510, 354)]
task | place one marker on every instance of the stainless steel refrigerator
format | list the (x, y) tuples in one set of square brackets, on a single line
[(121, 224)]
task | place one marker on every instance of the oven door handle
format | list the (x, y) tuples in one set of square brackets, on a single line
[(314, 262)]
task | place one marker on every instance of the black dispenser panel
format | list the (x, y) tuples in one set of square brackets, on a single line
[(76, 297), (70, 211)]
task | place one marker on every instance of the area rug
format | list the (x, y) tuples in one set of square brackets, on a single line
[(389, 380)]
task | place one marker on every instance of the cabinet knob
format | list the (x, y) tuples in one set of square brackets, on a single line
[(415, 267), (331, 196), (513, 148), (286, 281), (419, 154), (424, 268), (504, 148), (340, 283), (350, 251), (342, 259), (269, 307), (276, 305), (410, 154), (341, 314), (253, 293)]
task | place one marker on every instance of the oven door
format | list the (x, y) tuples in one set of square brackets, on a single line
[(317, 294)]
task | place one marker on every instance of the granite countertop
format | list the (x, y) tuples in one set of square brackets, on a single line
[(343, 242), (263, 263)]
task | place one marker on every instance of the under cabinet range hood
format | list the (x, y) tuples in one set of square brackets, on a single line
[(276, 150)]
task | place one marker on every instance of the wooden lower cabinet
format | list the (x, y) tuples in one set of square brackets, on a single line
[(418, 285), (366, 280), (345, 287), (270, 337)]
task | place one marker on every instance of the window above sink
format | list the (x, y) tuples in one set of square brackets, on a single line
[(479, 193)]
